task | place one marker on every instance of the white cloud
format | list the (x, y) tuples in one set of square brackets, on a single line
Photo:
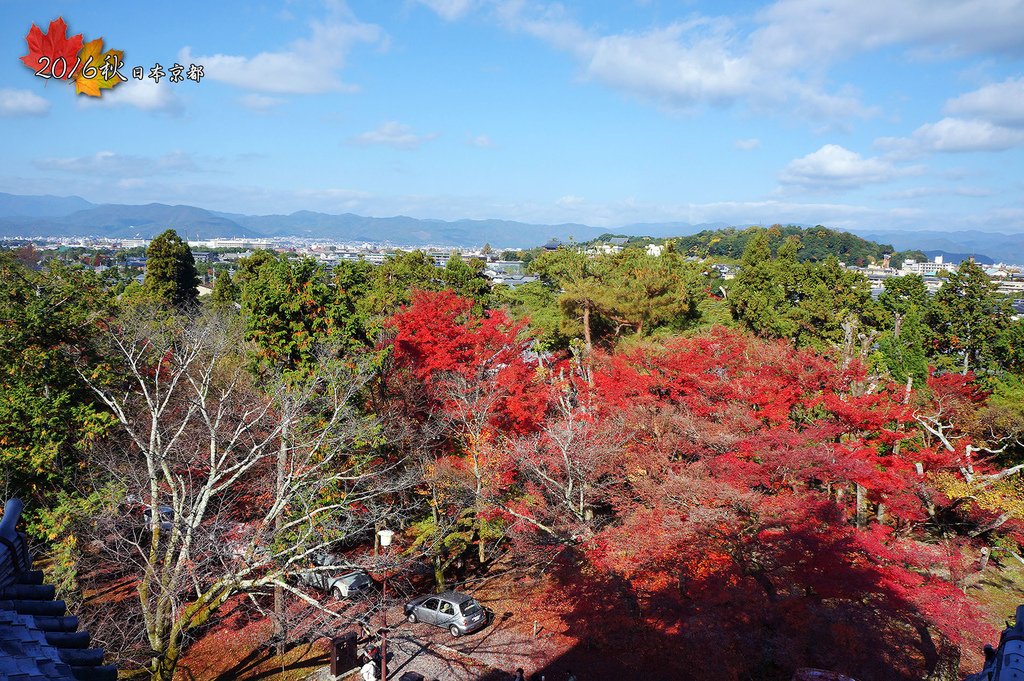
[(835, 167), (393, 134), (748, 144), (988, 119), (22, 103), (778, 58), (953, 135), (112, 164), (926, 192), (685, 64), (1001, 103), (480, 141), (957, 135), (661, 65), (450, 10), (570, 201), (804, 33), (260, 103), (306, 66), (141, 94)]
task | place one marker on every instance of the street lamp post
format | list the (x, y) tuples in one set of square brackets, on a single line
[(385, 542)]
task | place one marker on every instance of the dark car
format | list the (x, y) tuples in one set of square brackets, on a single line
[(166, 515), (458, 613)]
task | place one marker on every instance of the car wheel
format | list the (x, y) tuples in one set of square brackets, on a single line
[(336, 592), (455, 631), (411, 617)]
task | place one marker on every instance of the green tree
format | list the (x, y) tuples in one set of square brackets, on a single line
[(466, 279), (901, 345), (538, 303), (351, 283), (833, 305), (576, 279), (225, 292), (392, 283), (763, 293), (291, 312), (816, 304), (171, 275), (580, 303), (46, 414), (291, 309), (1010, 347), (967, 317), (643, 292), (817, 243)]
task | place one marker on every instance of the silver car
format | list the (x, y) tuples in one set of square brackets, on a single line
[(458, 613), (342, 581), (339, 584)]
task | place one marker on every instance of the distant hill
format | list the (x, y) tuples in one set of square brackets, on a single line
[(52, 216), (74, 216), (1001, 247), (669, 229), (817, 243), (406, 230), (40, 206), (957, 258), (121, 221)]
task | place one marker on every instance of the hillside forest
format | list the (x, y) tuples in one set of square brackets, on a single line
[(726, 479)]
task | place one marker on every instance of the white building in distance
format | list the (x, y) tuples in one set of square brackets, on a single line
[(911, 266)]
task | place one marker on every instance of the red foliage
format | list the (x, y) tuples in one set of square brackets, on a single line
[(452, 352), (734, 503)]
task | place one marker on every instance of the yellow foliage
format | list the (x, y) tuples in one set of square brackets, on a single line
[(1003, 496)]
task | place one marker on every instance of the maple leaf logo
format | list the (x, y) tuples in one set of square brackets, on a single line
[(97, 70), (52, 54)]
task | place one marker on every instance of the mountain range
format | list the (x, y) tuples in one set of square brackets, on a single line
[(52, 216)]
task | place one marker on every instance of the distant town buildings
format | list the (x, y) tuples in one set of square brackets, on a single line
[(211, 253), (911, 266)]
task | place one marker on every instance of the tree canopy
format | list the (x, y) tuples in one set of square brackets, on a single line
[(171, 275), (659, 460)]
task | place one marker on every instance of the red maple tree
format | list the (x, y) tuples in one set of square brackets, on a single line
[(735, 517)]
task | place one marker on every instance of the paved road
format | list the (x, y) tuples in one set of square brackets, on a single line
[(434, 661), (491, 654)]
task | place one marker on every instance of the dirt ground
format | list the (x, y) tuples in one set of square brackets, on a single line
[(522, 634)]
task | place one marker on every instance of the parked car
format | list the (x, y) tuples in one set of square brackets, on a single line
[(339, 584), (166, 515), (341, 581), (458, 613)]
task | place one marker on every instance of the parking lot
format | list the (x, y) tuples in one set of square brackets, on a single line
[(491, 654)]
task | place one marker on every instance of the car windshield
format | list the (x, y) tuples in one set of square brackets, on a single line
[(469, 607), (353, 577)]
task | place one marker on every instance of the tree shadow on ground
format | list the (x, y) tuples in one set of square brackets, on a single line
[(737, 633)]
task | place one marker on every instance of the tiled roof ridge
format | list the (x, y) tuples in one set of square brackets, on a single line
[(38, 641)]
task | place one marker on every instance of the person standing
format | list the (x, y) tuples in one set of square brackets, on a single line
[(519, 675)]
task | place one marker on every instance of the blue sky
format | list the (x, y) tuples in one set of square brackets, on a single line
[(860, 113)]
